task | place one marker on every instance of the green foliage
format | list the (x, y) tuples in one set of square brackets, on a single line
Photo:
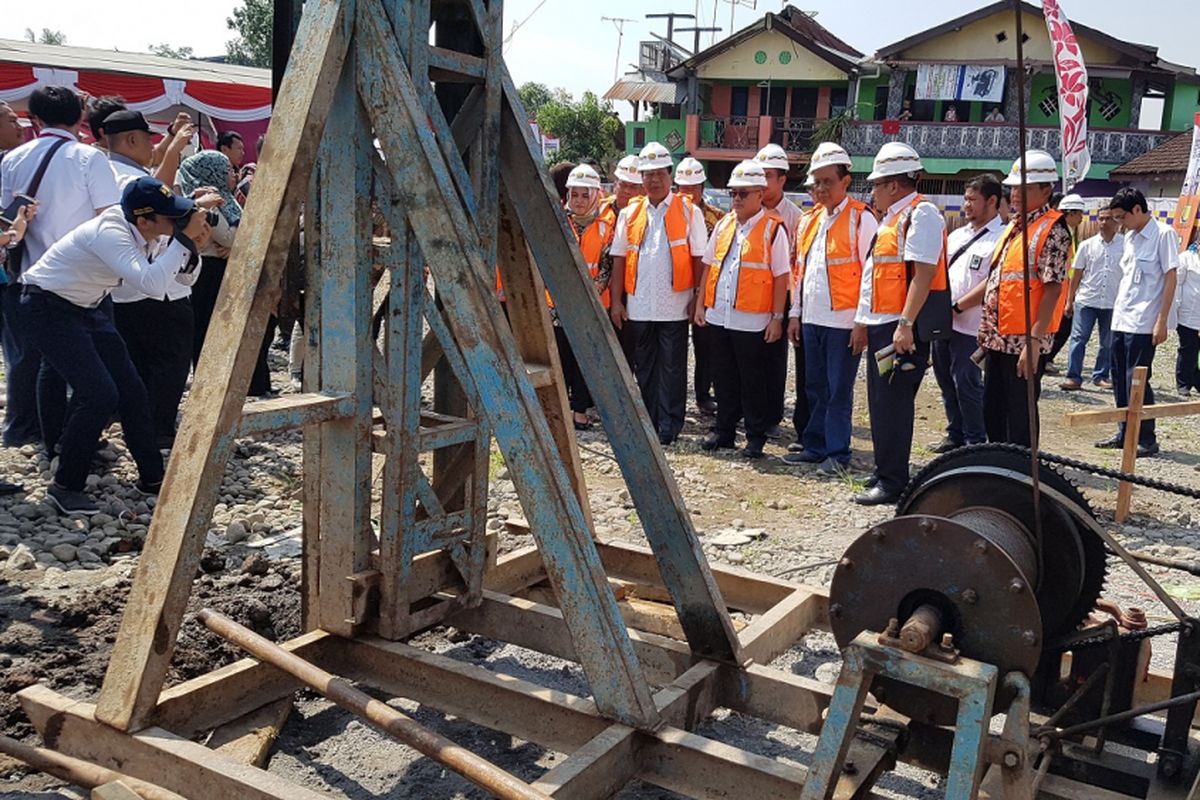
[(167, 51), (585, 129), (834, 128), (47, 36), (534, 96), (252, 22)]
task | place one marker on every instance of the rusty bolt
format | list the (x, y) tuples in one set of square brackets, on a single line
[(970, 597), (1016, 586), (835, 610), (850, 768), (927, 525), (1029, 638), (893, 628), (1012, 759), (846, 563), (947, 641), (980, 545)]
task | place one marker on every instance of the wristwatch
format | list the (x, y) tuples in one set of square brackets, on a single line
[(905, 322), (957, 308)]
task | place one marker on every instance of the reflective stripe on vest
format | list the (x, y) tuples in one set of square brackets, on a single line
[(889, 272), (755, 283), (1012, 277), (677, 223), (843, 267)]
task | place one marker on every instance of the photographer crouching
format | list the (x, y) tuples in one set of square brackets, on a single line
[(60, 305)]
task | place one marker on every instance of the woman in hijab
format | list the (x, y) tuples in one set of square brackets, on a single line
[(212, 171)]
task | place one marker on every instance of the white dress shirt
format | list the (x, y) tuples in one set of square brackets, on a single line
[(1187, 292), (971, 268), (723, 313), (1148, 256), (922, 243), (816, 308), (654, 298), (791, 214), (78, 184), (92, 260), (1100, 263)]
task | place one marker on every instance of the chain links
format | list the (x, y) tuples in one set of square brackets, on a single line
[(1131, 636)]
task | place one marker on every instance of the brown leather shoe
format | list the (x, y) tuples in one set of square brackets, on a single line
[(1070, 385)]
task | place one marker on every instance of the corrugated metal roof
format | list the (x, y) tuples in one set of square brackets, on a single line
[(636, 91), (89, 58)]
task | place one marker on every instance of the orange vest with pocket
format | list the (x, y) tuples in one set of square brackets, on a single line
[(755, 284), (843, 267), (678, 223), (889, 270), (1012, 276)]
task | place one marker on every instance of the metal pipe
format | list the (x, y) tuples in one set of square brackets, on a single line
[(921, 629), (478, 771), (1122, 716), (78, 772)]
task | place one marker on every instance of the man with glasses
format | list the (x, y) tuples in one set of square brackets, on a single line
[(905, 271), (656, 250)]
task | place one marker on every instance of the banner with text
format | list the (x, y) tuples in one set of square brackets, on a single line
[(973, 83)]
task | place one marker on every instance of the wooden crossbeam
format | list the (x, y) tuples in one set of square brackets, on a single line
[(1110, 415), (168, 563), (293, 411)]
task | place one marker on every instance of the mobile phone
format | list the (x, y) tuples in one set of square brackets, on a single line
[(9, 215), (885, 359)]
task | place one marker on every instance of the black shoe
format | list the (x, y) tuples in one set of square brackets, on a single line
[(666, 439), (751, 452), (148, 488), (871, 482), (774, 432), (1114, 442), (583, 426), (833, 469), (1147, 450), (945, 446), (796, 447), (707, 406), (10, 488), (802, 457), (876, 496), (715, 442), (69, 502)]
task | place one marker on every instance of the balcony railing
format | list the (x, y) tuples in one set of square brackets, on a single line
[(794, 134), (996, 140), (729, 133)]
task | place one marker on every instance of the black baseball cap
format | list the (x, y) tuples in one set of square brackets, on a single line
[(148, 195), (124, 121)]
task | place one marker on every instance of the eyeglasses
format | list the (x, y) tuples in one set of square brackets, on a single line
[(742, 194)]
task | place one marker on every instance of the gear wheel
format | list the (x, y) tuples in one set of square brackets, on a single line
[(1074, 558)]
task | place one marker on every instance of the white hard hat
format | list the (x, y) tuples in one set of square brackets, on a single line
[(583, 177), (772, 157), (895, 158), (1040, 167), (627, 170), (828, 154), (1072, 202), (655, 156), (690, 172), (748, 173)]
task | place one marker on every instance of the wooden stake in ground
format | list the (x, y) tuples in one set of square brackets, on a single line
[(1133, 427)]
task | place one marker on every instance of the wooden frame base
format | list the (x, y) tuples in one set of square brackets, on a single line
[(602, 756)]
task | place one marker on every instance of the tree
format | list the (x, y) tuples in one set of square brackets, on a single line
[(252, 22), (533, 97), (585, 129), (167, 51), (47, 36)]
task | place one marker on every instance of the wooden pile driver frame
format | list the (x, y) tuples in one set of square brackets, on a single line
[(436, 134)]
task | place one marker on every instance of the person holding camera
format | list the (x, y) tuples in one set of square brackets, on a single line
[(62, 311)]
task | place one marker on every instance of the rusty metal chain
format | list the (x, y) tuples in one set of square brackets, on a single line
[(1131, 636), (1106, 472)]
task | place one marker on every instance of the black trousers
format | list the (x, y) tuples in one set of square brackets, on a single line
[(803, 410), (1187, 360), (1132, 350), (739, 361), (1006, 398), (1061, 337), (158, 335), (702, 373), (577, 388), (660, 364), (204, 302), (892, 401), (35, 395)]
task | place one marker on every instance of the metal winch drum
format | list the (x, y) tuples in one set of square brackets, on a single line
[(959, 571)]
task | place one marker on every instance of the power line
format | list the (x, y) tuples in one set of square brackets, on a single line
[(517, 25), (619, 24)]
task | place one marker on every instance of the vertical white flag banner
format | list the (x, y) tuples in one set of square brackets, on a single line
[(1071, 75)]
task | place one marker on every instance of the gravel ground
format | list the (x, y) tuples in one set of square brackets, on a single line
[(63, 580)]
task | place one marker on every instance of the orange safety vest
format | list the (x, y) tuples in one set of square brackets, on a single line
[(755, 283), (678, 219), (595, 240), (1012, 276), (843, 267), (889, 271)]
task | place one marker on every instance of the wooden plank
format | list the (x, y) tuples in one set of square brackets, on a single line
[(293, 411), (152, 754), (777, 630), (664, 516), (450, 244), (310, 555), (776, 696), (175, 541), (448, 434), (218, 697), (516, 570), (1133, 425), (249, 738), (707, 770), (116, 790), (455, 63), (1110, 415)]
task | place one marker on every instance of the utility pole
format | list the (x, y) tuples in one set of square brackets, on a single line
[(619, 24), (696, 37), (733, 4)]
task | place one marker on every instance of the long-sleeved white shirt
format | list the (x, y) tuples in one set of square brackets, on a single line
[(92, 260), (655, 298), (723, 313)]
